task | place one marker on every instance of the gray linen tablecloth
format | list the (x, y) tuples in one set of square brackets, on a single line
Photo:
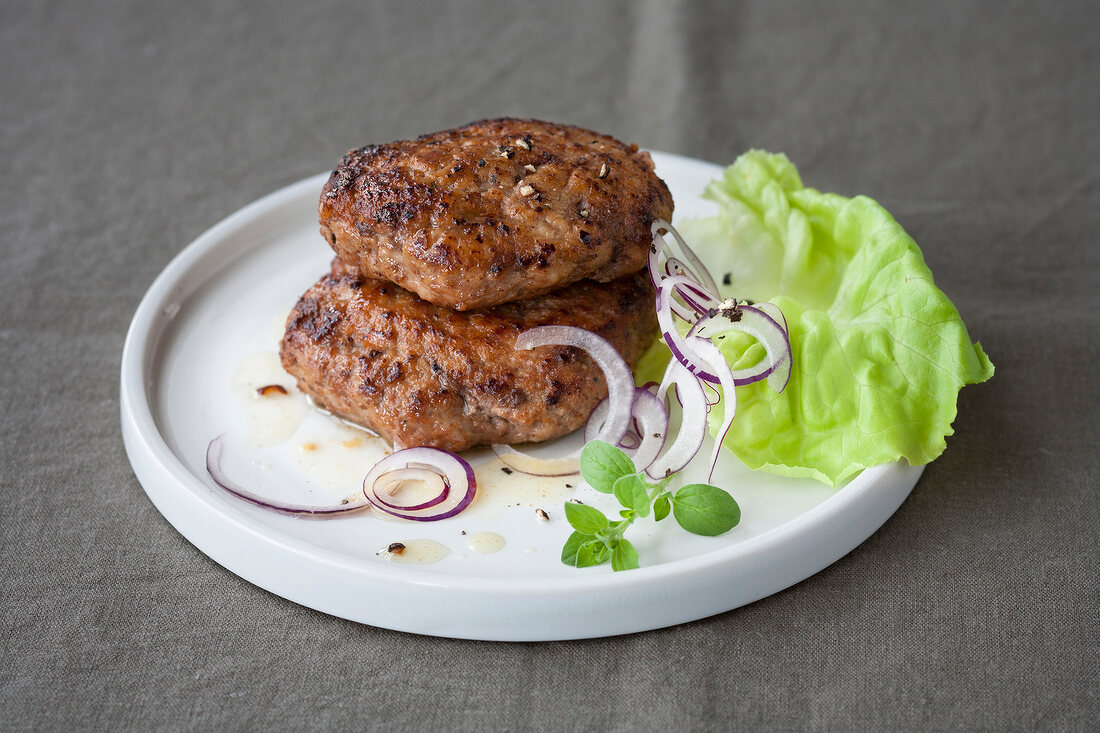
[(128, 129)]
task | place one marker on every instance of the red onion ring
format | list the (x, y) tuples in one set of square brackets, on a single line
[(620, 395), (695, 266), (697, 299), (632, 439), (714, 359), (772, 311), (779, 380), (693, 427), (213, 467), (757, 323), (651, 415), (713, 395), (595, 422), (650, 426), (454, 476), (620, 381), (524, 463), (697, 364), (679, 346), (401, 475), (458, 482)]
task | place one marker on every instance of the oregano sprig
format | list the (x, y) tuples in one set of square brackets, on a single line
[(699, 508)]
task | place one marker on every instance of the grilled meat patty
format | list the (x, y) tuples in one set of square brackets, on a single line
[(421, 374), (495, 211)]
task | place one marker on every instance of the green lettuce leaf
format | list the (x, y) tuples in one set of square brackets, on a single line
[(880, 353)]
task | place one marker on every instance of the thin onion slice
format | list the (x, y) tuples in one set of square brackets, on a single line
[(459, 486), (697, 299), (398, 477), (772, 311), (595, 422), (213, 467), (525, 463), (632, 439), (620, 395), (649, 427), (782, 376), (694, 265), (688, 291), (754, 321), (713, 395), (714, 359), (681, 348), (620, 381), (693, 427), (651, 415), (685, 290)]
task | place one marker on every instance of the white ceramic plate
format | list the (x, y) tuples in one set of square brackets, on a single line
[(213, 319)]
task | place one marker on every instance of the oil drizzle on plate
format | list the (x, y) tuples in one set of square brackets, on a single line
[(273, 414), (501, 488), (336, 455), (333, 455), (484, 543), (417, 552)]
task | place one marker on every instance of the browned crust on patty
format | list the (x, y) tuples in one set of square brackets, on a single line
[(459, 218), (421, 374)]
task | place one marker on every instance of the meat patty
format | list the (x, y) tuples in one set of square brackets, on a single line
[(495, 211), (421, 374)]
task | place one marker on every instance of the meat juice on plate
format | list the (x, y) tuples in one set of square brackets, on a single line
[(337, 455)]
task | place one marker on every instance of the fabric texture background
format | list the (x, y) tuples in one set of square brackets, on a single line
[(127, 129)]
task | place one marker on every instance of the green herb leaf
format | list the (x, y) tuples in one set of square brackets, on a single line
[(592, 552), (632, 492), (624, 556), (584, 519), (572, 546), (661, 507), (602, 464), (704, 509)]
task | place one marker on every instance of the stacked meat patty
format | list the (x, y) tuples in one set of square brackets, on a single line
[(450, 246)]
